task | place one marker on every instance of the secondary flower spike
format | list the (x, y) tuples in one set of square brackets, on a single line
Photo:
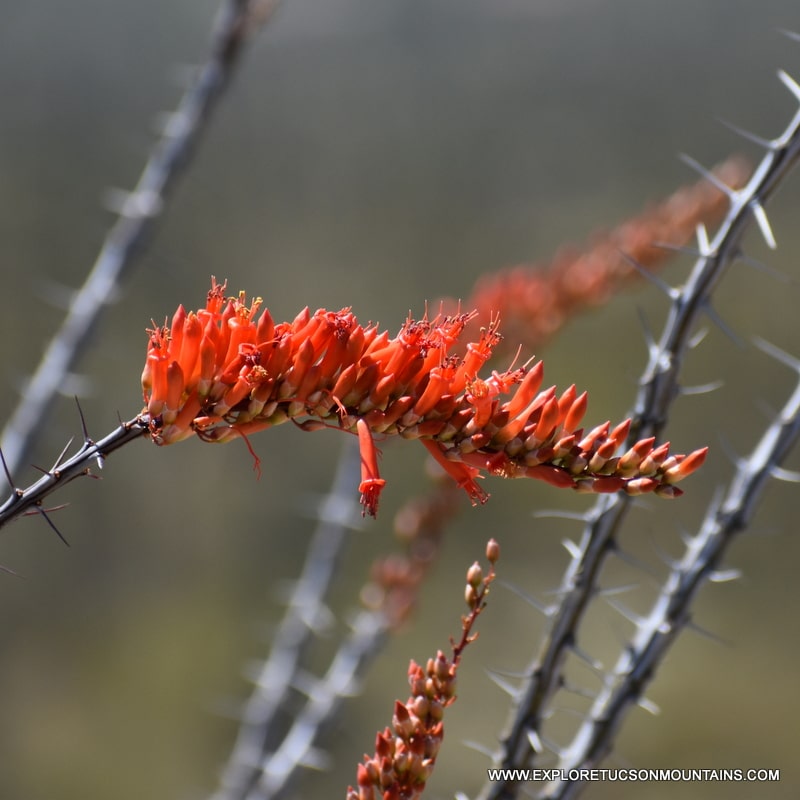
[(227, 371)]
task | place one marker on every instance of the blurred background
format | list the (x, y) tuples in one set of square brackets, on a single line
[(378, 154)]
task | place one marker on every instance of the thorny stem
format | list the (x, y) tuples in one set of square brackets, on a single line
[(297, 748), (237, 21), (62, 472), (576, 592), (659, 384), (658, 388), (636, 665)]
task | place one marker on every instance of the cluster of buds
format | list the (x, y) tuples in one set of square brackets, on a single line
[(405, 754), (535, 301), (228, 371)]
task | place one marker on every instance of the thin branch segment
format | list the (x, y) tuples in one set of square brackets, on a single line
[(63, 472)]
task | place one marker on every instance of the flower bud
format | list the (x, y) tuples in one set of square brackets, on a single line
[(492, 551), (475, 575), (470, 596)]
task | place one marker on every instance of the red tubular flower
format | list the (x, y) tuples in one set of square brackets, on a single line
[(371, 482), (229, 370)]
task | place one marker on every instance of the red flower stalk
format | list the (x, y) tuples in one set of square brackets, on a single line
[(405, 754), (225, 372), (535, 301)]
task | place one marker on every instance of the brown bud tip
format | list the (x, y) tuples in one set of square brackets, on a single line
[(470, 595), (442, 666), (421, 706), (492, 551), (475, 575)]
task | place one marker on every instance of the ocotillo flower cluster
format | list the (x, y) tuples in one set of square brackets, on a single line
[(226, 372)]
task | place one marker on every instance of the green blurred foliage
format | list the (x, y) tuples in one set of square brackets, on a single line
[(378, 154)]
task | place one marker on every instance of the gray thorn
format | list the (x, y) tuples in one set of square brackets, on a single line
[(789, 82), (712, 314), (683, 249), (650, 276), (760, 141), (627, 613), (572, 548), (707, 175), (615, 590), (578, 690), (50, 522), (62, 454), (535, 741), (316, 759), (697, 338), (703, 242), (760, 266), (586, 658), (795, 37), (649, 706), (775, 352), (529, 599), (703, 388), (512, 691), (707, 634), (788, 475), (477, 747), (762, 221), (725, 575)]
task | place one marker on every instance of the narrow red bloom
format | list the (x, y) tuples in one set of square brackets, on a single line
[(229, 370), (463, 474), (371, 483)]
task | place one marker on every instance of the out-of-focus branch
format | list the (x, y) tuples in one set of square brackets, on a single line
[(297, 749), (237, 21), (266, 762), (306, 615)]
